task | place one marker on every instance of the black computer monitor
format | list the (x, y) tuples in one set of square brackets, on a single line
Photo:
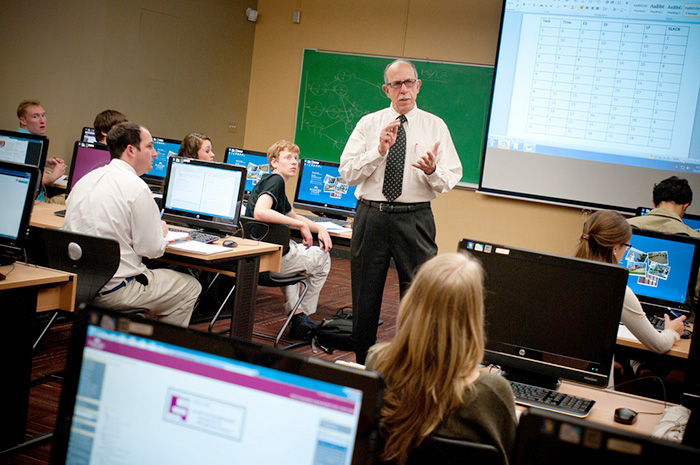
[(546, 438), (86, 157), (255, 162), (139, 391), (165, 148), (693, 221), (17, 184), (20, 147), (549, 316), (203, 194), (322, 190), (663, 270), (87, 135)]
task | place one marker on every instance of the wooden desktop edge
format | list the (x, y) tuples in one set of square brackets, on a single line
[(270, 254), (650, 410), (56, 291), (680, 348)]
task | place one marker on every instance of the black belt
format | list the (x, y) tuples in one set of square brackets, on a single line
[(395, 207), (142, 279)]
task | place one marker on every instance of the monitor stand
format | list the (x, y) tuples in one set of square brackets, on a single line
[(533, 379), (334, 216)]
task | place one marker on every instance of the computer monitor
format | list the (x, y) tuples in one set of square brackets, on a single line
[(203, 194), (663, 270), (322, 190), (146, 392), (86, 157), (545, 438), (255, 162), (17, 184), (549, 316), (693, 221), (88, 135), (19, 147), (165, 148)]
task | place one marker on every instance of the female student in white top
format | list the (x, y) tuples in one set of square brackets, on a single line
[(605, 239)]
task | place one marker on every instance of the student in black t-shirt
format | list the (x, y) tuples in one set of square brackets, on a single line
[(268, 202)]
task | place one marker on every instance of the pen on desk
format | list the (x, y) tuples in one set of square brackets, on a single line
[(677, 316)]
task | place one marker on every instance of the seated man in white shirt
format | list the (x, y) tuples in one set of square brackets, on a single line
[(114, 202)]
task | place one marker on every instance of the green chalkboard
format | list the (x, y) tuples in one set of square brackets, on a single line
[(337, 89)]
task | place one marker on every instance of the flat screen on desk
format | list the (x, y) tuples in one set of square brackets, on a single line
[(594, 105), (88, 135), (203, 194), (86, 157), (18, 147), (663, 269), (549, 315), (321, 189), (255, 163), (165, 148), (17, 184), (155, 393)]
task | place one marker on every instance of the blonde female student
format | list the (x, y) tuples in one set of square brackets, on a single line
[(433, 384)]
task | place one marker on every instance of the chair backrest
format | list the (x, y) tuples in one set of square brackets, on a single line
[(274, 233), (446, 451), (93, 259)]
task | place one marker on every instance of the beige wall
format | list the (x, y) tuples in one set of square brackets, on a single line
[(454, 30), (175, 66)]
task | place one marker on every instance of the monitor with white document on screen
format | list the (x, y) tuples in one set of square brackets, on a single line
[(146, 392), (203, 194)]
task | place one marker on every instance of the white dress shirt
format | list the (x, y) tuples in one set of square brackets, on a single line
[(362, 165), (113, 202)]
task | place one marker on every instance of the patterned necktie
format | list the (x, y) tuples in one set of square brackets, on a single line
[(393, 176)]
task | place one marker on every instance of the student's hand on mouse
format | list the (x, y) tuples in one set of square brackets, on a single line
[(324, 240), (388, 136), (676, 324)]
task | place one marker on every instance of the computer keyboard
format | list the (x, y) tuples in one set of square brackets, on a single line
[(198, 236), (658, 324), (547, 399), (317, 219), (61, 213)]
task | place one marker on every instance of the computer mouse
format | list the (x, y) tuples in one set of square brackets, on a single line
[(230, 243), (626, 416)]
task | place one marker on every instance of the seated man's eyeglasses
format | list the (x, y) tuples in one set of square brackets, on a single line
[(397, 84)]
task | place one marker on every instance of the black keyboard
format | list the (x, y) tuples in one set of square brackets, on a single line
[(547, 399), (61, 213), (198, 236), (317, 219), (658, 324)]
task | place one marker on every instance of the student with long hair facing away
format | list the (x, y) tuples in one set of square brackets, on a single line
[(433, 383), (605, 238)]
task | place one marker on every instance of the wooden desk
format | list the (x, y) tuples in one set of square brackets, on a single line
[(26, 290), (680, 348), (607, 401), (244, 261)]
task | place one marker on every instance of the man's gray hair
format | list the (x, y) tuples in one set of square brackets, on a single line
[(400, 60)]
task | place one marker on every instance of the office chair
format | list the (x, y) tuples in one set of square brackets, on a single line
[(93, 259), (438, 450), (275, 234)]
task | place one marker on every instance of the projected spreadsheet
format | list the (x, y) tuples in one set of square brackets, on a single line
[(606, 82)]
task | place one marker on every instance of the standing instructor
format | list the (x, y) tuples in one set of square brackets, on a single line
[(400, 158)]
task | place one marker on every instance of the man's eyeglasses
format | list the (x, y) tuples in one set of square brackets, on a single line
[(397, 84)]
